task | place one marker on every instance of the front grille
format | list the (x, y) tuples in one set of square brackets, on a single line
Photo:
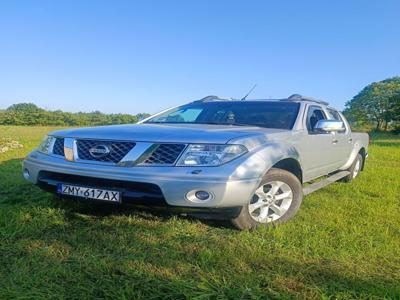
[(165, 154), (117, 150), (58, 148)]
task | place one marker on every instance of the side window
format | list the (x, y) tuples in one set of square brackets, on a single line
[(334, 115), (314, 114)]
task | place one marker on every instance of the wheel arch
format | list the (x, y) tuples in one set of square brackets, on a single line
[(363, 153), (291, 165)]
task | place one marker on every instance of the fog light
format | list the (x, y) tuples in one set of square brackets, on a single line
[(199, 196), (202, 195), (26, 174)]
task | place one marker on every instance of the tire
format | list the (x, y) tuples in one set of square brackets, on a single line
[(277, 198), (355, 168)]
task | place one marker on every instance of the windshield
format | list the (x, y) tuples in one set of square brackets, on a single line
[(274, 114)]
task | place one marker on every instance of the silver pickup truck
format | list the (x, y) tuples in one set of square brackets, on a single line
[(246, 161)]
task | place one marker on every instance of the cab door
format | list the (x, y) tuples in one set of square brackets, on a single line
[(343, 140), (318, 149)]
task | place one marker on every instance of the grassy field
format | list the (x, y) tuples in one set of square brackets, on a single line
[(344, 243)]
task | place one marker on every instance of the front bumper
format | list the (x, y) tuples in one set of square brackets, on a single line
[(174, 183)]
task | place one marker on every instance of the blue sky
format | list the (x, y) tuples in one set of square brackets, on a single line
[(142, 56)]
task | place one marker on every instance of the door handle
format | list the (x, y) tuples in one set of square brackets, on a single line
[(335, 141), (350, 140)]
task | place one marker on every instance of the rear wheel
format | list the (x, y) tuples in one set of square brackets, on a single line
[(276, 200), (355, 168)]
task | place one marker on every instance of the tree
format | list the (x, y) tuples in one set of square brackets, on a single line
[(378, 102), (29, 114), (142, 116), (24, 107)]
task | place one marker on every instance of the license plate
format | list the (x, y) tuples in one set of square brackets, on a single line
[(89, 193)]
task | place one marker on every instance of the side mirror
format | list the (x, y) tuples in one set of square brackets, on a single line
[(329, 126)]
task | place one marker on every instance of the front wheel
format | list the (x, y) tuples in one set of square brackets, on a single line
[(276, 200)]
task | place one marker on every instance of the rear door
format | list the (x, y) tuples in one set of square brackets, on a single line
[(318, 151), (342, 139)]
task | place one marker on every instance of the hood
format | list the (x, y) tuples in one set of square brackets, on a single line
[(176, 133)]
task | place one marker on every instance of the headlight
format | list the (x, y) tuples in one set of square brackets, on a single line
[(210, 155), (46, 144)]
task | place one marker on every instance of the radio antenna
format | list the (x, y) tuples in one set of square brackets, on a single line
[(244, 98)]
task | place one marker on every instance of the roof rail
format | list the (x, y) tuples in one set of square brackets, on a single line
[(297, 97), (212, 98)]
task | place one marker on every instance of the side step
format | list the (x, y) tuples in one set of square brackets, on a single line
[(324, 182)]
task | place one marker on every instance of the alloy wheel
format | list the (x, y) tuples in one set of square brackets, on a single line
[(357, 168), (270, 201)]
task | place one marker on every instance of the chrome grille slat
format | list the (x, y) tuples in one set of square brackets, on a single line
[(118, 150), (165, 154), (58, 148)]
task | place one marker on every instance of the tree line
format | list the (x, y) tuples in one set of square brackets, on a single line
[(29, 114), (377, 106)]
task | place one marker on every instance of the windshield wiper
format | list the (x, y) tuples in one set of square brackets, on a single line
[(243, 124), (232, 124), (161, 122), (207, 123)]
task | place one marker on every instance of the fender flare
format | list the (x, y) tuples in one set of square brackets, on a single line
[(356, 149), (264, 158)]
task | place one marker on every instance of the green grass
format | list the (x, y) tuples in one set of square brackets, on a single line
[(344, 243)]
